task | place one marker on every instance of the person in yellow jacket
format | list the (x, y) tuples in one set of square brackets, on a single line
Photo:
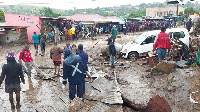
[(73, 32)]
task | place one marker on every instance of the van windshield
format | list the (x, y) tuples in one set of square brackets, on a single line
[(140, 39)]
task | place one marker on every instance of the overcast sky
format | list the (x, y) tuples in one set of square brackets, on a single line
[(79, 4)]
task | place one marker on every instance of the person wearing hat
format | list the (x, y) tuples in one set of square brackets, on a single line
[(112, 51), (12, 72), (114, 33)]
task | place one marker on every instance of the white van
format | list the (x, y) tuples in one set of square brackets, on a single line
[(145, 41)]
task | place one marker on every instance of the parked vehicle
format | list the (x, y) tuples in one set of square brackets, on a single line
[(144, 43)]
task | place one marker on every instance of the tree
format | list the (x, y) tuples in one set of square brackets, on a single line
[(48, 12), (138, 14), (189, 10), (180, 13), (108, 14), (2, 16)]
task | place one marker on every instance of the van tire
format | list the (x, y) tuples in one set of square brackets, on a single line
[(133, 56)]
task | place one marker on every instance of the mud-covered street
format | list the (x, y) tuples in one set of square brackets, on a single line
[(126, 88)]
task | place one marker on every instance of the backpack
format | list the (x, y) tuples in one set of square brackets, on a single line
[(158, 104)]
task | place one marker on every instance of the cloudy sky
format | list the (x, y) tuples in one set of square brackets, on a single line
[(79, 4)]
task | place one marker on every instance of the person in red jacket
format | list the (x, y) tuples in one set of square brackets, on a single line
[(25, 55), (162, 43)]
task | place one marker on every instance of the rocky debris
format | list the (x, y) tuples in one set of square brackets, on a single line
[(99, 107), (78, 105), (101, 89), (177, 92), (164, 68), (137, 93), (181, 64)]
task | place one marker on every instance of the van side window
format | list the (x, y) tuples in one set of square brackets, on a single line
[(180, 34), (149, 39)]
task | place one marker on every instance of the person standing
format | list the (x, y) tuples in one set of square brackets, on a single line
[(112, 51), (74, 48), (42, 38), (12, 72), (73, 70), (35, 39), (83, 55), (55, 55), (25, 55), (114, 33), (124, 29), (162, 43), (73, 32)]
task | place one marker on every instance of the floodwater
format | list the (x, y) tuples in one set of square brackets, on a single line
[(135, 84)]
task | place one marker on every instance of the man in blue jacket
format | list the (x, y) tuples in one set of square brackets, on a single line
[(73, 70), (83, 55)]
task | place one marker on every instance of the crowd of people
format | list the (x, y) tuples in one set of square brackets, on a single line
[(72, 30)]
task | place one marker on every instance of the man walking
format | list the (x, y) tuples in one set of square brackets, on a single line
[(12, 72), (73, 70), (112, 51), (42, 38), (25, 55), (35, 40), (162, 43), (55, 55), (114, 33), (189, 24)]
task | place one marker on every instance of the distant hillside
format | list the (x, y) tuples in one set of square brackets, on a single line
[(120, 11)]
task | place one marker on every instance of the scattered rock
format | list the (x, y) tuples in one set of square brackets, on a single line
[(163, 68)]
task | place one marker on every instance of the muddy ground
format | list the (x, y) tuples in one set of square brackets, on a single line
[(133, 78)]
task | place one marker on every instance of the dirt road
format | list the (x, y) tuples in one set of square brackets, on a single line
[(51, 96)]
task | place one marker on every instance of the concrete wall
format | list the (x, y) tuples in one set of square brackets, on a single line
[(158, 12), (9, 36), (24, 20)]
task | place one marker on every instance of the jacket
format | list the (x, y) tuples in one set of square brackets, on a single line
[(26, 55), (13, 73), (163, 41), (73, 68), (112, 50), (55, 53), (84, 57), (42, 38)]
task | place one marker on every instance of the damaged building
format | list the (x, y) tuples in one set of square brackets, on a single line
[(13, 33)]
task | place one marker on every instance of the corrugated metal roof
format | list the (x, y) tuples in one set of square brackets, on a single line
[(86, 17)]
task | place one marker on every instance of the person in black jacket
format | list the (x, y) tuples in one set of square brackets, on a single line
[(112, 51), (12, 72)]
